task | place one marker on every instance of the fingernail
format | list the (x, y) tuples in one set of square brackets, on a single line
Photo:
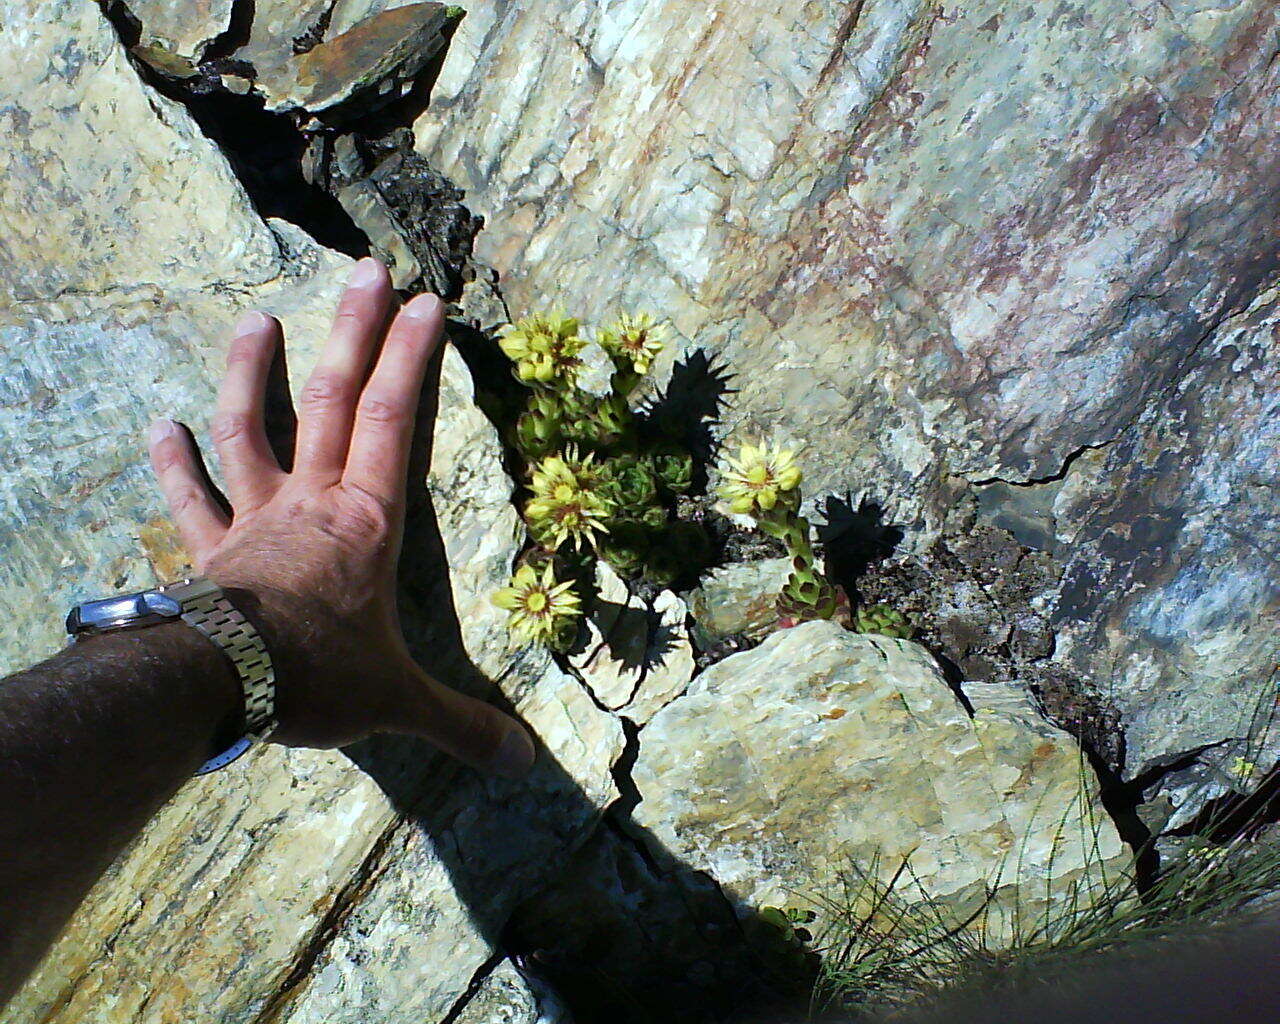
[(366, 272), (422, 306), (515, 754), (160, 430), (251, 323)]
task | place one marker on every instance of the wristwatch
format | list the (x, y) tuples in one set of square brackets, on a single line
[(201, 604)]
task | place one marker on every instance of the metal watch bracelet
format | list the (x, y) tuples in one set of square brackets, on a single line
[(207, 609)]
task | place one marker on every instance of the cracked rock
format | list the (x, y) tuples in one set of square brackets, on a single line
[(365, 67), (125, 267), (922, 257), (173, 37), (506, 997), (637, 656)]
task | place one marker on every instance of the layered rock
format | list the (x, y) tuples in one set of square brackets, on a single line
[(940, 246), (636, 656), (1013, 257), (124, 266)]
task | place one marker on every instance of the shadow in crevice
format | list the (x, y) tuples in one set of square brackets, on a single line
[(635, 637), (690, 404), (505, 842)]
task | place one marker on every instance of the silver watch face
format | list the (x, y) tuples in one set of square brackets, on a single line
[(122, 612)]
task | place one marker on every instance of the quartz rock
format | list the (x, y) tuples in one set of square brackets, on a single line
[(173, 37), (506, 997), (740, 598), (1025, 254), (123, 268), (821, 750), (447, 876)]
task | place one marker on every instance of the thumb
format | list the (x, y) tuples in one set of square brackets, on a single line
[(474, 732)]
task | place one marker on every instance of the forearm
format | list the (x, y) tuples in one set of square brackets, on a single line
[(92, 742)]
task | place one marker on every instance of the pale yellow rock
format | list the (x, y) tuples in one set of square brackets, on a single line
[(738, 598), (177, 35), (452, 871), (821, 751), (504, 997), (106, 186)]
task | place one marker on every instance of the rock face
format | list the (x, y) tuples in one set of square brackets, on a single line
[(379, 54), (123, 267), (1006, 271), (786, 767), (941, 245), (740, 598)]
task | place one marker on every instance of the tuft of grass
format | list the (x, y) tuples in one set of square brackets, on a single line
[(888, 943)]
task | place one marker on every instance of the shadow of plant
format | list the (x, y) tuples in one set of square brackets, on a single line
[(692, 402), (855, 538), (637, 638)]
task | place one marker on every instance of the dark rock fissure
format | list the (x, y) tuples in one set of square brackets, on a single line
[(344, 902), (235, 35), (1056, 477), (265, 149), (477, 979), (350, 178)]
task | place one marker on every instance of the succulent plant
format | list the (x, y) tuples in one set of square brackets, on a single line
[(542, 610), (544, 348), (600, 480), (759, 478), (882, 619), (626, 548), (674, 468), (763, 481), (566, 506), (630, 484)]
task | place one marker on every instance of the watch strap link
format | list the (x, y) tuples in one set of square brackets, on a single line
[(206, 609)]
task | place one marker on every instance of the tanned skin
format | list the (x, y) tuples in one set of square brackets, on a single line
[(94, 740)]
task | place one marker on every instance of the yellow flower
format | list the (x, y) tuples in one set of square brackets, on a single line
[(539, 606), (758, 477), (1243, 769), (564, 505), (544, 347), (636, 339)]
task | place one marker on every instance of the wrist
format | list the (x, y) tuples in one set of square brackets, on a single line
[(178, 681)]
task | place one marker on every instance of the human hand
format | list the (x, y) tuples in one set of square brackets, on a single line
[(315, 549)]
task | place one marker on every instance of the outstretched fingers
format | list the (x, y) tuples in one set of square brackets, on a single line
[(200, 520), (239, 426), (379, 457), (327, 404)]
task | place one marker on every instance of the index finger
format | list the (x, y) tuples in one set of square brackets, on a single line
[(378, 460)]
